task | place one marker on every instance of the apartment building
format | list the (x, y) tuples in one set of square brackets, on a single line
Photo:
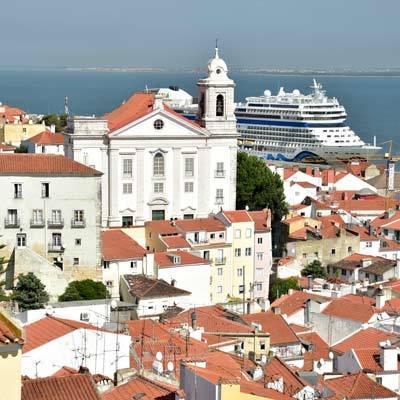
[(50, 214)]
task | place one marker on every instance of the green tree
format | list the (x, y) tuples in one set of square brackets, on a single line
[(258, 188), (315, 269), (21, 149), (59, 121), (86, 289), (3, 271), (281, 286), (29, 292)]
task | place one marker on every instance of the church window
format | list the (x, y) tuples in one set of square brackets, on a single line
[(127, 167), (220, 105), (158, 165), (158, 124)]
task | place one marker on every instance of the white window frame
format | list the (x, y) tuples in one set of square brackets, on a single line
[(189, 166)]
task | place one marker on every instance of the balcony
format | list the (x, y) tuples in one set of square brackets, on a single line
[(220, 261), (56, 248), (78, 223), (55, 223), (12, 222), (37, 223), (219, 200), (219, 173)]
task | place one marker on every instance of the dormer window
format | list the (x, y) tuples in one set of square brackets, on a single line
[(176, 259), (158, 124)]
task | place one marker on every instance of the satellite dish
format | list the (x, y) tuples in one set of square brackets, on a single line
[(49, 310), (170, 366), (330, 355), (321, 360), (159, 356), (113, 304), (303, 350), (264, 359)]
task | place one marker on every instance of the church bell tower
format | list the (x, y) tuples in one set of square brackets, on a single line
[(216, 99)]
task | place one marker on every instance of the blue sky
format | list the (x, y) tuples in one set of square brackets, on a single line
[(181, 34)]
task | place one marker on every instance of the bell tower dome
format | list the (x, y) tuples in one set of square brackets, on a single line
[(216, 98)]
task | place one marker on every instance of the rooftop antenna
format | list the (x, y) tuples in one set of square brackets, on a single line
[(66, 108), (216, 48)]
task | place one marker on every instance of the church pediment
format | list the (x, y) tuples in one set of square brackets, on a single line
[(158, 201)]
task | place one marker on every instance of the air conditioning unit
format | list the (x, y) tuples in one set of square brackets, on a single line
[(85, 317)]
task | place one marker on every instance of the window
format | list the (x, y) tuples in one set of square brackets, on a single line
[(56, 239), (188, 216), (158, 187), (316, 254), (56, 215), (238, 252), (158, 165), (127, 167), (206, 254), (45, 189), (220, 106), (221, 235), (248, 251), (248, 233), (18, 190), (238, 233), (368, 244), (259, 240), (240, 272), (220, 172), (158, 124), (219, 289), (219, 271), (259, 286), (79, 215), (109, 284), (78, 242), (333, 251), (157, 215), (127, 188), (133, 264), (188, 187), (219, 196), (259, 256), (76, 261), (37, 216), (189, 166), (21, 240), (349, 249), (379, 380), (212, 236), (106, 264), (241, 289), (127, 221), (304, 255), (262, 344)]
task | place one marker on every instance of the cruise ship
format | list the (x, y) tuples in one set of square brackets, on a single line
[(292, 126)]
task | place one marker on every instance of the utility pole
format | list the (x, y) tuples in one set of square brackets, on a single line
[(244, 288)]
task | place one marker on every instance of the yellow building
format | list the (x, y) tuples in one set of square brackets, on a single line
[(15, 133), (11, 341)]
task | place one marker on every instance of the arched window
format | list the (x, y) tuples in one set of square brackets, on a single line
[(158, 165), (220, 105)]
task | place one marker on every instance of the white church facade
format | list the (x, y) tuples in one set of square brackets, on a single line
[(157, 164)]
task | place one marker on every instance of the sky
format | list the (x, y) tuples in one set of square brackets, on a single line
[(181, 34)]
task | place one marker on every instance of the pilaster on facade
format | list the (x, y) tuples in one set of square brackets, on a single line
[(113, 214)]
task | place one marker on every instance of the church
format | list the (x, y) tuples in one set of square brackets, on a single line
[(156, 163)]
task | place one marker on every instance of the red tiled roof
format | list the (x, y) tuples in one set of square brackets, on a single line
[(382, 220), (237, 216), (358, 386), (43, 164), (306, 185), (378, 204), (261, 220), (363, 339), (50, 328), (369, 359), (117, 245), (344, 309), (285, 260), (47, 137), (72, 387), (355, 298), (65, 371), (210, 224), (274, 324), (151, 390), (340, 176), (165, 259), (388, 245), (162, 227), (320, 347), (257, 388), (291, 303), (331, 219), (7, 335), (299, 329), (175, 242), (6, 147), (363, 233)]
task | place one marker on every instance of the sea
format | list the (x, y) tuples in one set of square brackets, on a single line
[(372, 102)]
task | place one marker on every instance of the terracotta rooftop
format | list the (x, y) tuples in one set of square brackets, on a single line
[(210, 224), (6, 147), (43, 164), (47, 138), (50, 328), (274, 324), (8, 332), (261, 220), (358, 386), (369, 359), (71, 387), (345, 309), (143, 287), (175, 242), (320, 348), (306, 185), (166, 259), (237, 216), (117, 245), (364, 339)]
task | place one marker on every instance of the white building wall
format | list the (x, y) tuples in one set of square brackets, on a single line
[(156, 306)]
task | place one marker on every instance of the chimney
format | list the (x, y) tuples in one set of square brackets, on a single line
[(307, 316), (52, 128), (290, 291), (388, 357), (379, 299), (309, 282), (397, 269), (276, 310), (309, 171), (158, 102)]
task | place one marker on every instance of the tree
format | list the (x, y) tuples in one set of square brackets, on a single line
[(315, 269), (3, 271), (59, 121), (258, 188), (21, 149), (84, 290), (281, 286), (29, 292)]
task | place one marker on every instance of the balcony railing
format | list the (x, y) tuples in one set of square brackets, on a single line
[(55, 223), (220, 261), (12, 223), (78, 223), (219, 200), (56, 248), (37, 223), (219, 173)]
